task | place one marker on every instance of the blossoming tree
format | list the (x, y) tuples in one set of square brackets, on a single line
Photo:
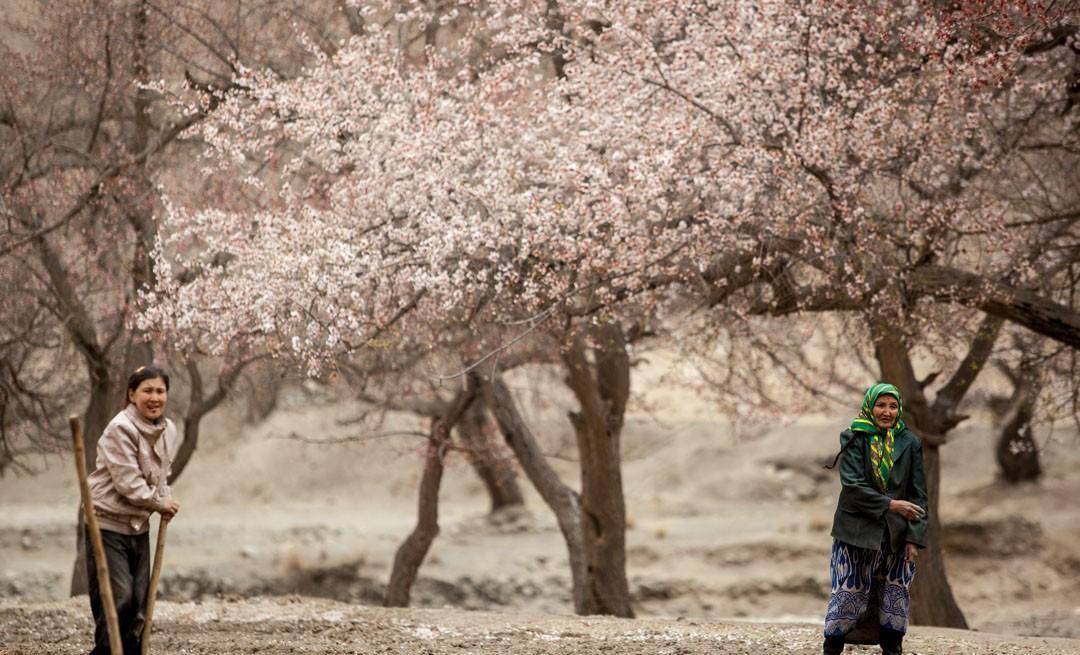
[(584, 164)]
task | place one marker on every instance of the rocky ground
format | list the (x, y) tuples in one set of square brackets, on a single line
[(305, 625)]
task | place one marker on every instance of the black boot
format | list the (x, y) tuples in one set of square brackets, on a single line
[(833, 645), (892, 642)]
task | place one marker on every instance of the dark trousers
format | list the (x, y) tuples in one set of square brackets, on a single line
[(128, 557)]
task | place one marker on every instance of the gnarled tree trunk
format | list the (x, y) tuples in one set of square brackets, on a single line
[(410, 554), (108, 393), (1017, 453), (563, 501), (602, 392), (199, 405)]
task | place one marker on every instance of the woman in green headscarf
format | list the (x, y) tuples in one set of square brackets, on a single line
[(880, 521)]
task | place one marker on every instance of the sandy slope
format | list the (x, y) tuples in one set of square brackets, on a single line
[(305, 625)]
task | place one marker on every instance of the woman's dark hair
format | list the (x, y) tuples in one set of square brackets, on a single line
[(144, 373)]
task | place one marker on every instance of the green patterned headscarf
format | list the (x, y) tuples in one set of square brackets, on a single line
[(881, 442)]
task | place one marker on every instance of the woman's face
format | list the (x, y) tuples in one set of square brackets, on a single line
[(885, 411), (150, 398)]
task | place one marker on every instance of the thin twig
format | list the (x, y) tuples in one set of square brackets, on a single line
[(537, 321)]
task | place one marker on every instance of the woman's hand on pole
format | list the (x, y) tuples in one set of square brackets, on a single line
[(909, 511), (168, 508)]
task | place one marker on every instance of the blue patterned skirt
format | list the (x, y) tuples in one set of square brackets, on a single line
[(859, 572)]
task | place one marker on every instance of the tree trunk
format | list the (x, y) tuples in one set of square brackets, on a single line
[(490, 465), (187, 448), (563, 501), (104, 403), (602, 396), (198, 406), (262, 397), (106, 396), (603, 520), (1017, 453), (410, 555), (932, 600)]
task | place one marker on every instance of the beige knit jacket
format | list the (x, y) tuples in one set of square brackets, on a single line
[(130, 481)]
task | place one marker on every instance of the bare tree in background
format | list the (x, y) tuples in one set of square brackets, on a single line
[(87, 146), (1017, 452)]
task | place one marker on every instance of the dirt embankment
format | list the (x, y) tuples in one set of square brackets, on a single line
[(303, 625)]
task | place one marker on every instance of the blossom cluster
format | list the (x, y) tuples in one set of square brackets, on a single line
[(531, 158)]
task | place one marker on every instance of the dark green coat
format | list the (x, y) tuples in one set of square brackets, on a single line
[(862, 513)]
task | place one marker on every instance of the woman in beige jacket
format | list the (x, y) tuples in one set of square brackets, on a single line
[(129, 483)]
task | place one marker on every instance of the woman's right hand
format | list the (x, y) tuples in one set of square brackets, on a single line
[(909, 511), (168, 508)]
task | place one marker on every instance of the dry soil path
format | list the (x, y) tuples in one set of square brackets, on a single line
[(304, 625)]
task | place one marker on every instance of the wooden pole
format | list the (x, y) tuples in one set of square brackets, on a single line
[(104, 586), (159, 553)]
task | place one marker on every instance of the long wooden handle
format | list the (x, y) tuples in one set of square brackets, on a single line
[(104, 586), (151, 597)]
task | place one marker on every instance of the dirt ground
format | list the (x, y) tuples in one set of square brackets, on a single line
[(726, 525), (306, 625)]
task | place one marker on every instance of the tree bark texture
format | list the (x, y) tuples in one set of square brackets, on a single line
[(602, 391), (411, 553), (563, 501), (488, 459)]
